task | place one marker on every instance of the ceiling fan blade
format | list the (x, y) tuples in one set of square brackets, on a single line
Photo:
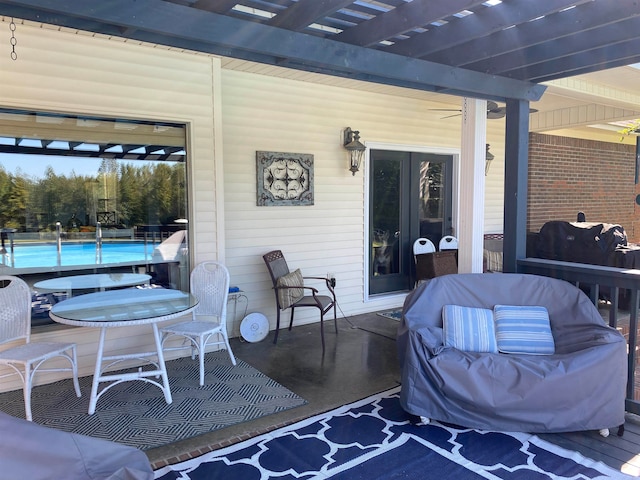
[(497, 112), (500, 112), (493, 111)]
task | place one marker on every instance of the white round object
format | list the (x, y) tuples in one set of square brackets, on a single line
[(254, 327)]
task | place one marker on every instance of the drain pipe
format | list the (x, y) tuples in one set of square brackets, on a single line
[(98, 242), (59, 241), (12, 231)]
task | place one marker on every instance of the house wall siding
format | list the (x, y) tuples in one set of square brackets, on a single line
[(568, 175), (66, 72), (281, 115)]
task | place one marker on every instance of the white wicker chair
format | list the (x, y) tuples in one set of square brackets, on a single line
[(15, 326), (210, 284)]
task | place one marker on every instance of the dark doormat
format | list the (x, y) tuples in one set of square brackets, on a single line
[(135, 413)]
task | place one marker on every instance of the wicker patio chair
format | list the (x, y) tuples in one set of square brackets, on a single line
[(27, 358)]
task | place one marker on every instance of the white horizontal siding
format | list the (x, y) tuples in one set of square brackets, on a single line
[(275, 114)]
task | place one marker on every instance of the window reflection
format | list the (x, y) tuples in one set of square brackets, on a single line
[(89, 195)]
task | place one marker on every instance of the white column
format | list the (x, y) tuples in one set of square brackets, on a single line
[(472, 185)]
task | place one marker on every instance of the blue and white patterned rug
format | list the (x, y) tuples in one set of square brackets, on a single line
[(374, 439)]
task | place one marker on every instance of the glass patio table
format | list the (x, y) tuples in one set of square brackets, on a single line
[(101, 281), (125, 308)]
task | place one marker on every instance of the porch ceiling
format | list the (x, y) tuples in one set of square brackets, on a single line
[(484, 49)]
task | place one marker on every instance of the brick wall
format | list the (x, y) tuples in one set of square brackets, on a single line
[(568, 175)]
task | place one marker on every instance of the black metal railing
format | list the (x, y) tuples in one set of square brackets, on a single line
[(619, 285)]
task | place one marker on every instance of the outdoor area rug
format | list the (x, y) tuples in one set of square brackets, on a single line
[(136, 413), (374, 439)]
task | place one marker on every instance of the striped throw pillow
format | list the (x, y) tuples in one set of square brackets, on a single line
[(469, 329), (289, 296), (523, 329)]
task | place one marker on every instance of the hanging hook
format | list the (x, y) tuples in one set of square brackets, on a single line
[(13, 41)]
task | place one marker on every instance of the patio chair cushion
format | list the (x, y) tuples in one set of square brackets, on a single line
[(523, 329), (289, 296), (469, 329)]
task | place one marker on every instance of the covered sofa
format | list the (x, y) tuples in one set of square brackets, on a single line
[(579, 387), (29, 451)]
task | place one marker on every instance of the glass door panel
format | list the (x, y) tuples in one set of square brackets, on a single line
[(410, 197)]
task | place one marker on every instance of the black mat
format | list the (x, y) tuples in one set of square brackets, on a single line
[(136, 413)]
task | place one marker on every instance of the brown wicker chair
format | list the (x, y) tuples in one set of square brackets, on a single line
[(292, 294), (435, 264)]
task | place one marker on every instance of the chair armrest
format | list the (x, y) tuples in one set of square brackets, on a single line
[(327, 282), (313, 289)]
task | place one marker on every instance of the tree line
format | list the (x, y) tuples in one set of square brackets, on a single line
[(121, 195)]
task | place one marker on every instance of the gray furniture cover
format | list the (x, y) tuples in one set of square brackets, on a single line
[(29, 451), (580, 387)]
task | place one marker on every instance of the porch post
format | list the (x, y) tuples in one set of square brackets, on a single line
[(516, 173), (472, 185)]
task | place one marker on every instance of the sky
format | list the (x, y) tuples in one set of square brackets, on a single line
[(35, 165)]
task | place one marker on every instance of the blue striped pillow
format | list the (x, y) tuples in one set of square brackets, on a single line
[(469, 329), (523, 329)]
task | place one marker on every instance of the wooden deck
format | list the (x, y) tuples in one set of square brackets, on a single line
[(621, 453)]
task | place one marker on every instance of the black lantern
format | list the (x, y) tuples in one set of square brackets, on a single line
[(355, 148)]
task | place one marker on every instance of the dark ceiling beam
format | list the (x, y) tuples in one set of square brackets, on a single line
[(619, 54), (556, 26), (215, 6), (593, 68), (610, 35), (471, 27), (403, 18), (129, 148), (305, 12), (170, 22)]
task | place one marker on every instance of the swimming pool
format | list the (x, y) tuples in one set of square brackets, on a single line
[(45, 255)]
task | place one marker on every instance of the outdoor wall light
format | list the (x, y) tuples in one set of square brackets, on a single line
[(355, 148), (487, 160)]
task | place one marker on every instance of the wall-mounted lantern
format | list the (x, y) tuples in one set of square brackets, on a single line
[(355, 148)]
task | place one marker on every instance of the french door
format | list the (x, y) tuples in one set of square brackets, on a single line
[(409, 197)]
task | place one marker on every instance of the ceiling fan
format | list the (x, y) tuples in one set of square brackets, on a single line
[(493, 111)]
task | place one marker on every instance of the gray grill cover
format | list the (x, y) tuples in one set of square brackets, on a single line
[(580, 387), (29, 451)]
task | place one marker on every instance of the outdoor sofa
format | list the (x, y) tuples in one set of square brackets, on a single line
[(29, 451), (579, 384)]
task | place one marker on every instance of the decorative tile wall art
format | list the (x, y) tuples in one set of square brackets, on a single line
[(284, 178)]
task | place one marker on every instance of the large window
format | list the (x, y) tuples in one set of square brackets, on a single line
[(81, 195)]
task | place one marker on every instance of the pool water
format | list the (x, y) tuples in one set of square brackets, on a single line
[(46, 255)]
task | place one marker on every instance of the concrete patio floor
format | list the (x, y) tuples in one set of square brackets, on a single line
[(359, 361)]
